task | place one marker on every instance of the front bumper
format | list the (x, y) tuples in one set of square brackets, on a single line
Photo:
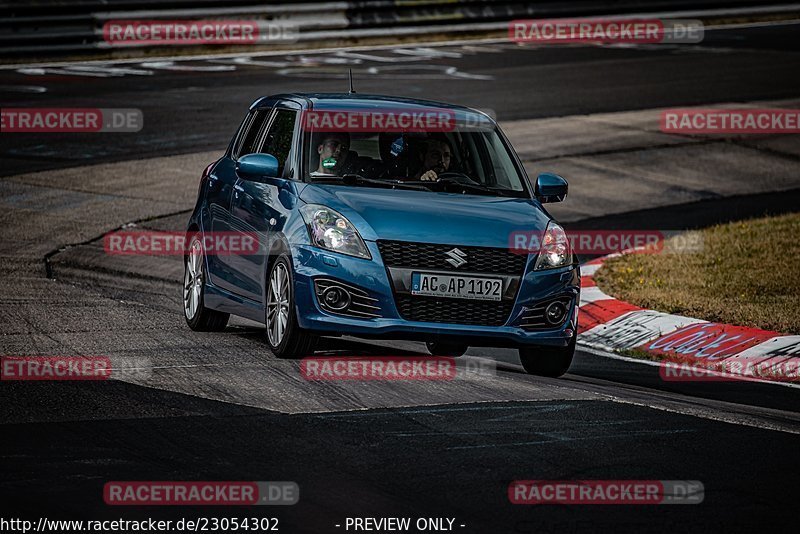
[(371, 275)]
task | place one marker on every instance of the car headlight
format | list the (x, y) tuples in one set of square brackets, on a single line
[(554, 251), (330, 229)]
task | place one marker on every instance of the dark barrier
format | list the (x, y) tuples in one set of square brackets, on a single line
[(57, 27)]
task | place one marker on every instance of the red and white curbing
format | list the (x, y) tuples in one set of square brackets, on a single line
[(609, 324)]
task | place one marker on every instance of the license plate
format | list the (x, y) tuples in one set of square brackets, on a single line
[(460, 287)]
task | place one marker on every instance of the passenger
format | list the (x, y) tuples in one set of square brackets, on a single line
[(332, 149)]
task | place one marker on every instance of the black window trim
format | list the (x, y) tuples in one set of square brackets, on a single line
[(270, 110), (288, 164), (233, 146), (237, 146)]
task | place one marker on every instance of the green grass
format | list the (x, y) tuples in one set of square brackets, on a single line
[(744, 275)]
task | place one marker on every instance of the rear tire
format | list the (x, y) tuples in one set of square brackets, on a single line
[(198, 317), (284, 336), (437, 348), (547, 361)]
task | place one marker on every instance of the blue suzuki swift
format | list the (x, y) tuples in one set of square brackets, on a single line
[(383, 217)]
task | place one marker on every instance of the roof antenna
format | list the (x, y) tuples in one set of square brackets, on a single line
[(352, 91)]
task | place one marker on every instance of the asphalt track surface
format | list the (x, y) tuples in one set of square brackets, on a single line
[(220, 407)]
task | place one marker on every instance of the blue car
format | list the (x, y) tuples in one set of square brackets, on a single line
[(382, 217)]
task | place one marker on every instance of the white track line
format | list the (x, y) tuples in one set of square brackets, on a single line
[(671, 14)]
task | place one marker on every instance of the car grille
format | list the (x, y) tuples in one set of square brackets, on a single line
[(401, 254), (454, 311), (533, 318), (430, 256)]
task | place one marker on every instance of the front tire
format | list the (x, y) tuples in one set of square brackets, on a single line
[(547, 361), (198, 317), (284, 336)]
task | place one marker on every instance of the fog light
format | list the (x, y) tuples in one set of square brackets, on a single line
[(336, 298), (555, 312)]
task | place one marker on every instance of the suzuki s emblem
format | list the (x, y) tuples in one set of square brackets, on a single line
[(456, 257)]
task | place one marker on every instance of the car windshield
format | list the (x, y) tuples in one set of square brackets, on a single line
[(464, 153)]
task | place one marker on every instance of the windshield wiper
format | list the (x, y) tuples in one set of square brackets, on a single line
[(470, 186), (448, 183), (357, 179)]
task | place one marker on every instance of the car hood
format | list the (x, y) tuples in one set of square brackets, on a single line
[(428, 217)]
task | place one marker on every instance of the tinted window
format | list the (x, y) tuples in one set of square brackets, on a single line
[(252, 135), (468, 155), (278, 141)]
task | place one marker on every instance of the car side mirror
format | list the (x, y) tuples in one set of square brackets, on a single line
[(255, 166), (550, 188)]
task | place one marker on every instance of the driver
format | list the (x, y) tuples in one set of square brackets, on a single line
[(435, 159)]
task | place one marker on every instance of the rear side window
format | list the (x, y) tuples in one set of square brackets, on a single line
[(278, 141), (252, 136)]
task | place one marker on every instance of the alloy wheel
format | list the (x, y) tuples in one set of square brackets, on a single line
[(193, 279), (278, 304)]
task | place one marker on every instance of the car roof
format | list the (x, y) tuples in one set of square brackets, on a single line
[(339, 101)]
